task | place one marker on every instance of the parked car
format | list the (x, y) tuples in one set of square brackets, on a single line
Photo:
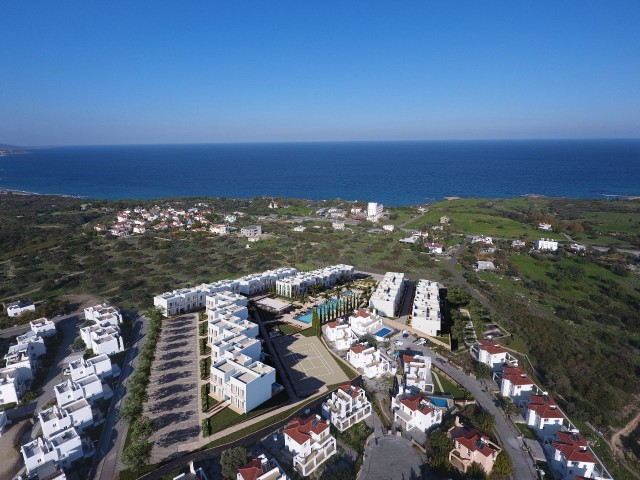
[(420, 341), (441, 360)]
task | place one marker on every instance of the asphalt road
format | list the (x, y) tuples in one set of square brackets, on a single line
[(105, 463), (507, 433), (19, 330)]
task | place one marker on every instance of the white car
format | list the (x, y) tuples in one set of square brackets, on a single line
[(397, 343), (421, 341)]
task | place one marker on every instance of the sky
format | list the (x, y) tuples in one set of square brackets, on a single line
[(116, 72)]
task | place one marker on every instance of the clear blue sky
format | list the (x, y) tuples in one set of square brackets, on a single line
[(110, 72)]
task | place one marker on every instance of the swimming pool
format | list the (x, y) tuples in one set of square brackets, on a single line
[(383, 332), (439, 402), (307, 317)]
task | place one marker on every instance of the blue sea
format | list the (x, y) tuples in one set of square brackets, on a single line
[(393, 173)]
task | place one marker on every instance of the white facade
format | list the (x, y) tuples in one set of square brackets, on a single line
[(388, 294), (425, 315), (571, 456), (485, 265), (301, 281), (261, 468), (261, 282), (236, 345), (12, 386), (223, 328), (493, 355), (310, 441), (243, 382), (104, 315), (100, 366), (251, 231), (415, 411), (543, 415), (221, 229), (43, 327), (338, 226), (369, 360), (364, 323), (102, 340), (514, 383), (15, 309), (90, 388), (75, 414), (339, 334), (347, 406), (482, 239), (299, 228), (374, 211), (416, 371), (63, 449), (544, 226), (547, 244), (388, 228)]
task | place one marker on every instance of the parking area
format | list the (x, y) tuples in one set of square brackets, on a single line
[(309, 365), (392, 458), (173, 387)]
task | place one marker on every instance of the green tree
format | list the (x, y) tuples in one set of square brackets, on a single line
[(231, 460), (315, 322), (475, 472), (502, 465), (137, 455)]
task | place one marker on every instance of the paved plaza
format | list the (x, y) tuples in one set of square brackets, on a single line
[(309, 364), (173, 387), (393, 458)]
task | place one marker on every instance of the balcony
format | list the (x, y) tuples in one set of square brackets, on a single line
[(461, 464)]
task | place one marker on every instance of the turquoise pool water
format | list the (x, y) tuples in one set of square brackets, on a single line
[(383, 332), (439, 402), (306, 317)]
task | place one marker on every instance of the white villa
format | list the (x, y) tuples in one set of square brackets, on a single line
[(299, 228), (493, 355), (225, 305), (339, 334), (543, 415), (102, 340), (347, 406), (388, 294), (546, 244), (243, 382), (310, 441), (230, 347), (15, 309), (425, 315), (301, 281), (251, 231), (261, 468), (89, 388), (76, 414), (364, 323), (12, 386), (103, 315), (223, 328), (100, 366), (514, 383), (41, 457), (374, 211), (414, 410), (369, 360), (484, 266), (417, 372), (220, 229), (338, 226), (43, 327), (482, 239), (571, 457), (544, 226)]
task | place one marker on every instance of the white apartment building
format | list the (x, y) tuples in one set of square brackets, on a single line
[(90, 388), (251, 231), (301, 281), (547, 244), (369, 360), (187, 299), (236, 345), (543, 415), (572, 458), (261, 468), (102, 340), (493, 355), (103, 315), (42, 456), (364, 323), (414, 410), (310, 441), (347, 406), (374, 211), (339, 335), (76, 415), (21, 362), (227, 327), (514, 383), (100, 366), (416, 371), (482, 239), (388, 294), (15, 309), (43, 327), (242, 382), (220, 229), (261, 282), (12, 387), (225, 305), (425, 314)]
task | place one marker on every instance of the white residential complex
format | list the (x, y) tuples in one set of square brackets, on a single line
[(547, 244), (103, 315), (369, 360), (56, 419), (102, 340), (186, 299), (425, 315), (347, 406), (43, 457), (339, 335), (300, 282), (12, 386), (416, 372), (43, 327), (374, 211), (100, 366), (243, 382), (310, 441), (364, 323), (388, 294), (414, 410)]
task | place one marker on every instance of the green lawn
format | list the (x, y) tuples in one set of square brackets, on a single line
[(525, 430), (447, 386)]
